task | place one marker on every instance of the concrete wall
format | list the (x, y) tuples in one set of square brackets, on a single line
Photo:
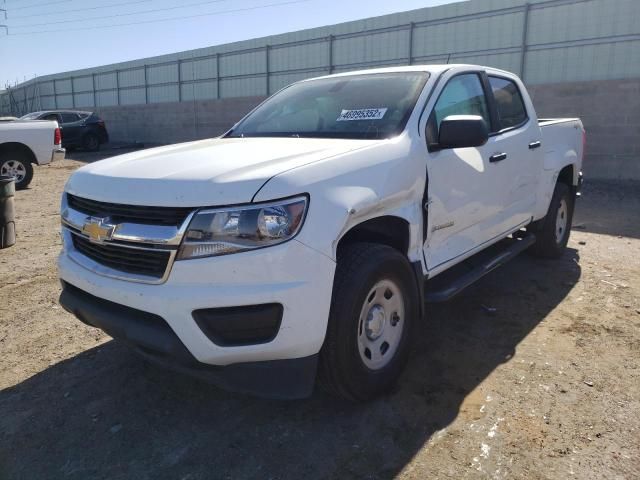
[(610, 111), (176, 121)]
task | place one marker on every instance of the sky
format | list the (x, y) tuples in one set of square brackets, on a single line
[(61, 35)]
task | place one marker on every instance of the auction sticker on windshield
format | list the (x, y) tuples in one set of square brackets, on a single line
[(362, 114)]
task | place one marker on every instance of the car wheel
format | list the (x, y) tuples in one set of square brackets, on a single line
[(16, 165), (373, 308), (552, 232), (91, 142)]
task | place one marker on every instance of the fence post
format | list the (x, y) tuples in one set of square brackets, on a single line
[(118, 85), (55, 95), (410, 46), (217, 76), (266, 59), (146, 90), (36, 91), (330, 41), (93, 89), (180, 80), (525, 34), (73, 95)]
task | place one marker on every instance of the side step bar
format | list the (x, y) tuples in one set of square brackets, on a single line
[(460, 282)]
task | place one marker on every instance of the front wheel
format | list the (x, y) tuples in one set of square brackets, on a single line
[(552, 232), (16, 166), (373, 309)]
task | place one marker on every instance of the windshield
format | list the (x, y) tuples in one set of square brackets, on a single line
[(30, 116), (371, 106)]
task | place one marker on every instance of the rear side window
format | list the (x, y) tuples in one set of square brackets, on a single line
[(69, 117), (509, 103)]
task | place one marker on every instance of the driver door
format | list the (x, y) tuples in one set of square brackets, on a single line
[(465, 190)]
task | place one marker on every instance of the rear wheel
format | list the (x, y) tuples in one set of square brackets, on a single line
[(552, 232), (91, 142), (16, 165), (374, 306)]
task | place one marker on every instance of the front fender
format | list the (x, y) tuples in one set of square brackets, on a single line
[(353, 188)]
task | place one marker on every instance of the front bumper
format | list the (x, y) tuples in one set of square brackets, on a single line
[(58, 154), (291, 274), (150, 336)]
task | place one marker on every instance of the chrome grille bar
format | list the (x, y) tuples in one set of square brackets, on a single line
[(137, 252)]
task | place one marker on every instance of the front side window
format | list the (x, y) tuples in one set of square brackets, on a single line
[(372, 106), (509, 103), (463, 95)]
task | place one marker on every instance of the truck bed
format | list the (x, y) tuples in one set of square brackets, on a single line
[(543, 122)]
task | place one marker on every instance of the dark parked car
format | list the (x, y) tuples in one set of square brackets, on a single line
[(79, 129)]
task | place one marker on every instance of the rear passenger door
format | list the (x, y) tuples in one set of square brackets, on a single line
[(519, 137)]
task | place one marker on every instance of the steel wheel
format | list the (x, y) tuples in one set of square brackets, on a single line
[(15, 169), (381, 324), (552, 232), (562, 219), (374, 305)]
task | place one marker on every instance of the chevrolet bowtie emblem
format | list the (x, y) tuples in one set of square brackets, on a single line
[(98, 229)]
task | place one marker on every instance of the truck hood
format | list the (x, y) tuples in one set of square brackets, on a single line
[(204, 173)]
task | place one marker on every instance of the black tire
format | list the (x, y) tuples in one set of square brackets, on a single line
[(342, 370), (91, 142), (551, 241), (10, 161)]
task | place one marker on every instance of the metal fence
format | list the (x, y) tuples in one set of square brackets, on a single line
[(543, 40)]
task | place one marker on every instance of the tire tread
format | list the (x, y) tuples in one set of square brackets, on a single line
[(351, 261)]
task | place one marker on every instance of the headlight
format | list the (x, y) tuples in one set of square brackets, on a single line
[(236, 229)]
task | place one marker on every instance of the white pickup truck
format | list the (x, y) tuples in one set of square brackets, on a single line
[(305, 241), (24, 144)]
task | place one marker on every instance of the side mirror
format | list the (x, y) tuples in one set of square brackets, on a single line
[(463, 131)]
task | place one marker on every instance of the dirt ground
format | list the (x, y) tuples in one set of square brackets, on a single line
[(546, 386)]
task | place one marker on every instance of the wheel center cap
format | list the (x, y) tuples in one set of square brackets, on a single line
[(375, 322)]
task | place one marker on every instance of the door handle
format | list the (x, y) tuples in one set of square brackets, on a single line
[(498, 157), (534, 145)]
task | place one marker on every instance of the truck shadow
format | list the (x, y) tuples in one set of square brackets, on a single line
[(609, 208), (106, 414)]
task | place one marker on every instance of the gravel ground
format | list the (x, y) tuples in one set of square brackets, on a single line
[(545, 386)]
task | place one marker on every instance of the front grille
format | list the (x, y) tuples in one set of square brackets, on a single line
[(131, 260), (120, 213)]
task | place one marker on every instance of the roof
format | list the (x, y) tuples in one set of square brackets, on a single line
[(432, 68), (46, 112)]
